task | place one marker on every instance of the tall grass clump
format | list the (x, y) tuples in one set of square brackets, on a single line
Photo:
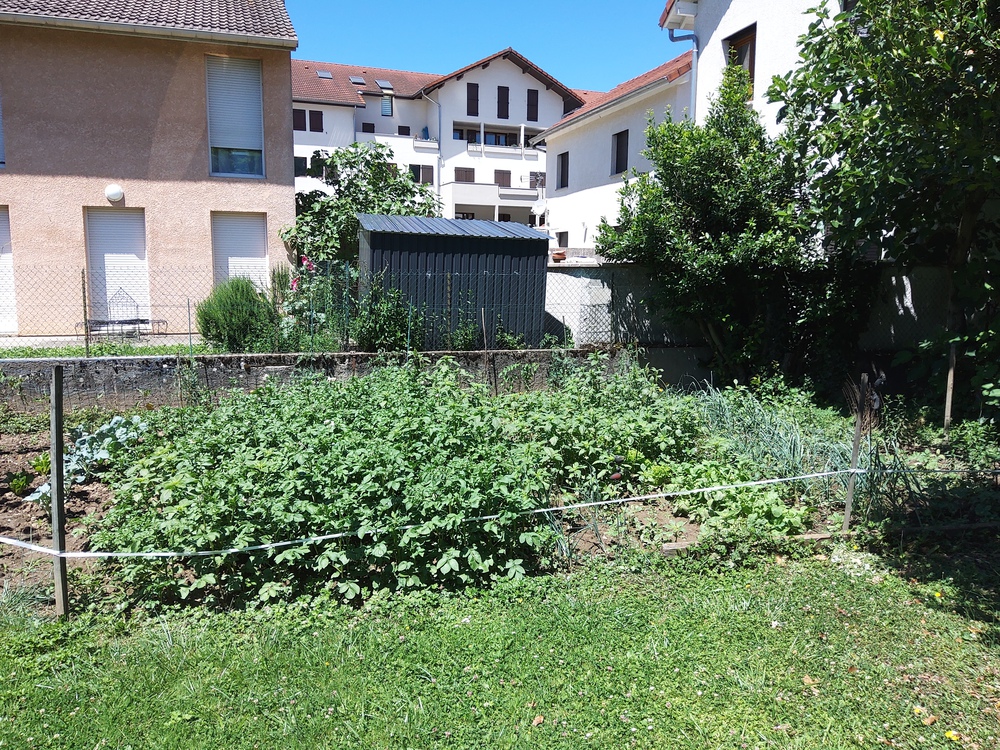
[(236, 317)]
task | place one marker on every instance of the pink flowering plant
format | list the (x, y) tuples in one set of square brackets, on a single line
[(314, 307)]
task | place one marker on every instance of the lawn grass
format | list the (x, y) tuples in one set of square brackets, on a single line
[(103, 349), (823, 652)]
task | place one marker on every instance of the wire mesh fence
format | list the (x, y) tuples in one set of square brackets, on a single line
[(326, 307)]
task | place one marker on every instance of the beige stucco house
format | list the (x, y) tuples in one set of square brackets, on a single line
[(146, 149)]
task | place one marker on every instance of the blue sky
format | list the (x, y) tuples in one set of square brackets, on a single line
[(584, 44)]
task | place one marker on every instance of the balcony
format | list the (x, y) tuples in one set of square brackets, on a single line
[(523, 152), (483, 194)]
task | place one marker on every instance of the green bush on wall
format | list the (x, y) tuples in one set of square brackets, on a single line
[(236, 317)]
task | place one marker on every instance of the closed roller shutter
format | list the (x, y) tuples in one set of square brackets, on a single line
[(116, 262), (8, 306), (2, 157), (239, 247)]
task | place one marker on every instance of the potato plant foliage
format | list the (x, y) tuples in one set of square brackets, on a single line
[(402, 459)]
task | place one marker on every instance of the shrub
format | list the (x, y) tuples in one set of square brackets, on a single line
[(236, 317), (386, 322)]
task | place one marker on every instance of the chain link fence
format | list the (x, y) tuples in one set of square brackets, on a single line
[(330, 307)]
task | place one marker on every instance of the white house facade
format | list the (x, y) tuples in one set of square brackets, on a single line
[(592, 150), (466, 133), (763, 37)]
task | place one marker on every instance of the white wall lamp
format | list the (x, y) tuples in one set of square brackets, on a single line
[(114, 192)]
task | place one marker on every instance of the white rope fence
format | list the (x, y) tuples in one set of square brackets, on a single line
[(534, 511), (374, 532)]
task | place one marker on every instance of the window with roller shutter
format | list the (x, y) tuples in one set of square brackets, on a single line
[(239, 247), (117, 269), (235, 116)]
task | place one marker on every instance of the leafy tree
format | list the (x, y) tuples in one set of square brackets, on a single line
[(717, 222), (362, 178), (893, 115)]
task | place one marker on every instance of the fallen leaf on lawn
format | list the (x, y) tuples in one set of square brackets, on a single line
[(930, 720), (852, 670), (781, 561), (537, 720), (807, 680)]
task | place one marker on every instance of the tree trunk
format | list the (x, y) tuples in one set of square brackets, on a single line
[(957, 259)]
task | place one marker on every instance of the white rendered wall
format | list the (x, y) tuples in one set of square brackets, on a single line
[(592, 193), (519, 161), (779, 25)]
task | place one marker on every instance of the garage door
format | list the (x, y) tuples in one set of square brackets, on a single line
[(8, 308), (239, 247), (116, 263)]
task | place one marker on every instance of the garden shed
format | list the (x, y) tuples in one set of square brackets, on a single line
[(463, 276)]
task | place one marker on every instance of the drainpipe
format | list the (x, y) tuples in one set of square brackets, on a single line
[(694, 64), (440, 145)]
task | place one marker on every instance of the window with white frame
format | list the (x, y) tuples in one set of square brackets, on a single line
[(235, 116)]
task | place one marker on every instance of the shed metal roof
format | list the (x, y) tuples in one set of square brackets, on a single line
[(449, 227)]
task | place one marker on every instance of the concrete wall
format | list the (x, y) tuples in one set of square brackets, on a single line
[(131, 382), (82, 110)]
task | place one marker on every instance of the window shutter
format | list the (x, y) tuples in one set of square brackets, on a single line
[(8, 307), (501, 177), (427, 174), (3, 159), (533, 105), (298, 119), (239, 247), (316, 121), (503, 102), (235, 103), (116, 264), (387, 105), (472, 99)]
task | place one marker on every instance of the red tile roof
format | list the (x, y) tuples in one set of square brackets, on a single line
[(248, 21), (524, 64), (669, 71), (308, 86), (666, 12)]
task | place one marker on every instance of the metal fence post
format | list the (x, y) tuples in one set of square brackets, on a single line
[(56, 490), (86, 316)]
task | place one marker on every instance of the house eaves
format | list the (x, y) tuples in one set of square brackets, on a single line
[(526, 66), (666, 75), (264, 23)]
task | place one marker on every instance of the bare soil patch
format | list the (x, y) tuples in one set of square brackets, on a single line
[(29, 521)]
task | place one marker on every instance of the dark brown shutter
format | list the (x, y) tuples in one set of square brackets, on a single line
[(503, 102), (472, 99), (368, 127), (298, 119), (621, 152), (403, 130), (427, 174), (532, 105), (315, 121), (501, 177)]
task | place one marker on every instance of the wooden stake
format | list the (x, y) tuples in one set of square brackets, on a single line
[(56, 491), (856, 448), (949, 392)]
